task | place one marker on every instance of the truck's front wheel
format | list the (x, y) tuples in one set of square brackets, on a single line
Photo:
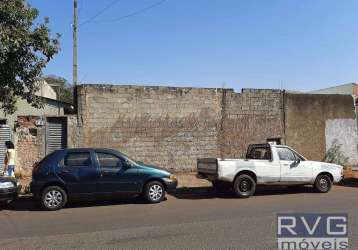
[(244, 186), (323, 183)]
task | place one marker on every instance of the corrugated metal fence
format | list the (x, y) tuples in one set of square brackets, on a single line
[(56, 134), (4, 136)]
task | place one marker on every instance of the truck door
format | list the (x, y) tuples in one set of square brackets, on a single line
[(267, 169), (294, 169)]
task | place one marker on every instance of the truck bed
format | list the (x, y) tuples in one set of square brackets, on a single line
[(207, 167)]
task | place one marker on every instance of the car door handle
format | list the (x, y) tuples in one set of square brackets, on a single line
[(65, 171), (106, 172)]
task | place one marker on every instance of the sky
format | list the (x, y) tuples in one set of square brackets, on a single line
[(295, 44)]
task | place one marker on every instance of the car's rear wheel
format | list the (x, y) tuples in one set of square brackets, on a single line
[(154, 192), (323, 183), (53, 198), (244, 186)]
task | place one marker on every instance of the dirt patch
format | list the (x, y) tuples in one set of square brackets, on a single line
[(190, 180)]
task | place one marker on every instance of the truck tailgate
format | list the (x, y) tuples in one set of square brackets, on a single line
[(207, 166)]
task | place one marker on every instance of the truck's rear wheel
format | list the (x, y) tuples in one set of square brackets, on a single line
[(323, 183), (244, 186)]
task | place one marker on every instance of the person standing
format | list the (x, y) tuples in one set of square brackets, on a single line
[(10, 159)]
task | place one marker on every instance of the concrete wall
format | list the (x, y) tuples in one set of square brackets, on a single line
[(46, 91), (51, 108), (313, 121), (344, 132), (346, 89), (27, 119), (172, 127)]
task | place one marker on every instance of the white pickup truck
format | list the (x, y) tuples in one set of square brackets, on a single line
[(268, 164)]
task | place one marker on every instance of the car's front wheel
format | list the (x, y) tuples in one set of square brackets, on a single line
[(53, 198), (154, 192), (323, 183), (244, 186)]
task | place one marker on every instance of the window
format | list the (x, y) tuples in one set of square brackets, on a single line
[(109, 161), (297, 156), (285, 154), (78, 159), (260, 153)]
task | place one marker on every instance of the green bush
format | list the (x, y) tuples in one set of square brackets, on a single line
[(335, 155)]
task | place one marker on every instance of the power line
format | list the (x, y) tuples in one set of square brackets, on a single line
[(99, 12), (137, 12)]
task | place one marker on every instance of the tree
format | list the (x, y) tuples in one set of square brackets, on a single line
[(62, 87), (25, 49)]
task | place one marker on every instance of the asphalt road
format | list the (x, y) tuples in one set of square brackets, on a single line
[(196, 218)]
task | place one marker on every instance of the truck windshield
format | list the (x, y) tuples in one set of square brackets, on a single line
[(286, 154)]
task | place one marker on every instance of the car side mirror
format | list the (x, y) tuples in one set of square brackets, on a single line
[(127, 164), (298, 161)]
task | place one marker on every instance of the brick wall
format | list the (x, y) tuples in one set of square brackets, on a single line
[(251, 117), (29, 144), (30, 140), (172, 127)]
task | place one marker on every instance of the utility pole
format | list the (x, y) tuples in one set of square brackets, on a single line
[(75, 26), (75, 63)]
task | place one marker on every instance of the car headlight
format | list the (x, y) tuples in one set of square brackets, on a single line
[(7, 184), (171, 178)]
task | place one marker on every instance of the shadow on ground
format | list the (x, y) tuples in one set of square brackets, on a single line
[(28, 203), (349, 182), (196, 193)]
